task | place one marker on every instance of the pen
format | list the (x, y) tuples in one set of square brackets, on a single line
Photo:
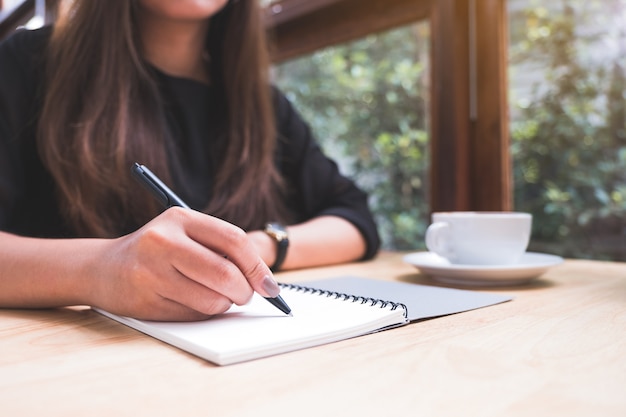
[(169, 199)]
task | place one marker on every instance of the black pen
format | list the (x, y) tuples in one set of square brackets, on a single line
[(169, 199)]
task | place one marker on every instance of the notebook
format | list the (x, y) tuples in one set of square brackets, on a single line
[(324, 311), (258, 329), (422, 301)]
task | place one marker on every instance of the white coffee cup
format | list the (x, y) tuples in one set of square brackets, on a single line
[(479, 238)]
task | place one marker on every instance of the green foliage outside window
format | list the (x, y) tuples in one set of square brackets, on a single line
[(367, 102), (569, 125)]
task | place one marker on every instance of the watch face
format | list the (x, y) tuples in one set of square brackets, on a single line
[(276, 230)]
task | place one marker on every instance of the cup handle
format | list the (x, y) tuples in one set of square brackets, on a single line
[(437, 239)]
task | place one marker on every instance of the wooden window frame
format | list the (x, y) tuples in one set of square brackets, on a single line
[(11, 17), (470, 159), (20, 13)]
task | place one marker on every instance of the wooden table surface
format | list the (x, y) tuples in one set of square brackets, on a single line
[(557, 349)]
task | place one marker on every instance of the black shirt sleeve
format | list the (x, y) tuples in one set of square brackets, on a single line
[(317, 186)]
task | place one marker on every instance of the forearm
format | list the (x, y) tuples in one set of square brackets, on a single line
[(323, 240), (173, 268), (40, 273)]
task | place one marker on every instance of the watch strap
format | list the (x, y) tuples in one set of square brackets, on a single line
[(278, 232), (281, 254)]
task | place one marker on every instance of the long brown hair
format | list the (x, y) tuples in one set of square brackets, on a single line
[(103, 110)]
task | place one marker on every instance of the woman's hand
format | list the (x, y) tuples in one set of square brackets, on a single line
[(183, 265)]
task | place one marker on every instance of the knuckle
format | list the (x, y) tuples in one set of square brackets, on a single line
[(156, 240), (176, 212), (256, 271), (235, 237), (174, 217), (227, 278), (224, 273), (152, 236)]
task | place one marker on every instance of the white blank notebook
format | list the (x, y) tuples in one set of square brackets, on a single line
[(259, 329)]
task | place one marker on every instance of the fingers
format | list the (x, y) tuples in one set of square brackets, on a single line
[(189, 266), (184, 299), (210, 270), (229, 240)]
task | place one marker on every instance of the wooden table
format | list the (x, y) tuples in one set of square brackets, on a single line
[(557, 349)]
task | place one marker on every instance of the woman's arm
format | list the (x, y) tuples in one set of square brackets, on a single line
[(183, 265), (333, 222), (322, 240)]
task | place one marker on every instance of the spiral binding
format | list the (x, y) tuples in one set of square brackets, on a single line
[(349, 297)]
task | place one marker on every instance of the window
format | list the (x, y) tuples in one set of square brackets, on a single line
[(465, 135), (562, 157), (568, 124), (367, 101)]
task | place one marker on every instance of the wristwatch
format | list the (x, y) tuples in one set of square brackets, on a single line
[(278, 232)]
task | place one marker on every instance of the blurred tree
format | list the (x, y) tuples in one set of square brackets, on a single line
[(367, 103), (568, 132)]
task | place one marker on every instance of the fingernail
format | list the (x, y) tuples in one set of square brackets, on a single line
[(270, 286)]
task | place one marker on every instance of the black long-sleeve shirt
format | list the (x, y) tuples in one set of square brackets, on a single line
[(28, 205)]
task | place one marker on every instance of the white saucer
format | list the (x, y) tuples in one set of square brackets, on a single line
[(531, 266)]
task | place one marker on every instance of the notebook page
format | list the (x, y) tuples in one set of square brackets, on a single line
[(258, 329)]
